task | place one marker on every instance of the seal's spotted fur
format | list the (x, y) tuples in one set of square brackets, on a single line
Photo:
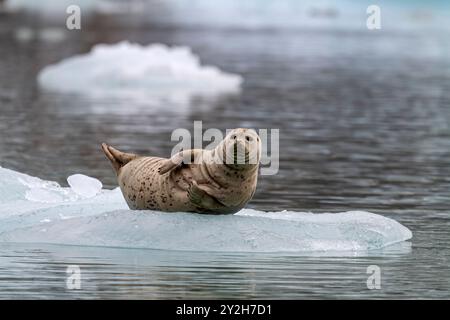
[(193, 180)]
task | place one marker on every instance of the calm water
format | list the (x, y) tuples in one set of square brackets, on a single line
[(364, 125)]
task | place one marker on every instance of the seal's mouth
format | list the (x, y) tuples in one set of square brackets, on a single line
[(242, 147), (241, 159), (241, 155)]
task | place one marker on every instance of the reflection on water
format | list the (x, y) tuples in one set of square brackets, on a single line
[(40, 271), (153, 274), (364, 124)]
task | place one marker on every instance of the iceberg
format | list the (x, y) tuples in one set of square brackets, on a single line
[(59, 215), (131, 70)]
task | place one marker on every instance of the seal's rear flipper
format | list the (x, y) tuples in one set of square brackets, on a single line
[(118, 159)]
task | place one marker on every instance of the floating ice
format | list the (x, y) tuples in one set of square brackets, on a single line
[(132, 70), (84, 186), (104, 220)]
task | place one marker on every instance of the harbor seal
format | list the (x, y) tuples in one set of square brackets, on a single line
[(217, 181)]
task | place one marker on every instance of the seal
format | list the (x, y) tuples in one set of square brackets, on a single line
[(217, 181)]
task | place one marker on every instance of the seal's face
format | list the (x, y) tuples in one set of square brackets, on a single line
[(242, 148)]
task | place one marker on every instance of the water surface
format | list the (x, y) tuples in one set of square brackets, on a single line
[(364, 125)]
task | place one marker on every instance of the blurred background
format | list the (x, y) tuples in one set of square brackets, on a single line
[(363, 114)]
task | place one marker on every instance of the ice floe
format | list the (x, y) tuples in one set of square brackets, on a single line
[(59, 215), (132, 70)]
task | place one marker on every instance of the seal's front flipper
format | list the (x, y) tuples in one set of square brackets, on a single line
[(175, 161), (170, 164), (118, 158), (203, 200)]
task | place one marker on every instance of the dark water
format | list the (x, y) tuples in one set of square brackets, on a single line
[(364, 125)]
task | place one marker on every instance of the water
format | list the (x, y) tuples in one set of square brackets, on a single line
[(364, 125)]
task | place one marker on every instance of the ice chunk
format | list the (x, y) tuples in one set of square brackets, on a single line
[(26, 201), (132, 70), (84, 186), (104, 220), (42, 195), (45, 191)]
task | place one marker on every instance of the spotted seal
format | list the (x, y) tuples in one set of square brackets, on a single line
[(217, 181)]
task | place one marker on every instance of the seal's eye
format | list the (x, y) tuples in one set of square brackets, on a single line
[(248, 138), (233, 137)]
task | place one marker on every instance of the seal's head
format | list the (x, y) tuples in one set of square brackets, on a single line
[(241, 148)]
